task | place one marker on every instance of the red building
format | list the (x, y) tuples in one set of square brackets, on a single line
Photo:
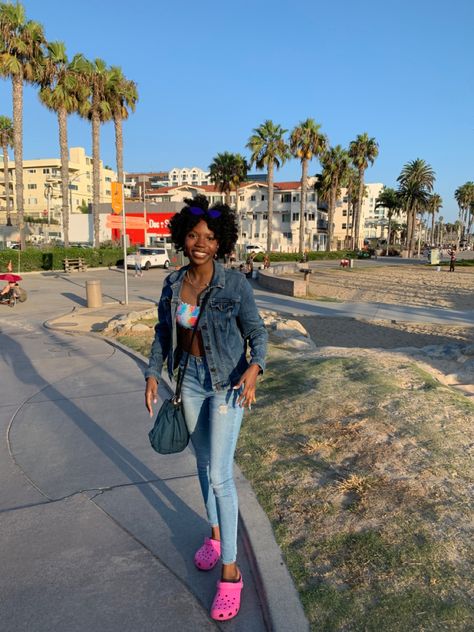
[(157, 228)]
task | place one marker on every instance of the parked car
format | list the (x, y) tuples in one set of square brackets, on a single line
[(151, 258), (249, 248)]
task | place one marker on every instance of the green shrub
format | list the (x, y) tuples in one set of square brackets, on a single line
[(51, 258), (313, 255)]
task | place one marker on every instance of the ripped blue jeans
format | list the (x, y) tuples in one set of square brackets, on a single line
[(214, 419)]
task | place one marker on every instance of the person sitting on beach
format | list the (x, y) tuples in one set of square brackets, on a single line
[(10, 291)]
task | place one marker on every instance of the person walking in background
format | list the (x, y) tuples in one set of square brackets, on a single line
[(138, 263), (220, 379), (266, 262), (452, 259)]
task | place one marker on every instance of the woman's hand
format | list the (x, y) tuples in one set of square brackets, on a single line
[(151, 394), (249, 381)]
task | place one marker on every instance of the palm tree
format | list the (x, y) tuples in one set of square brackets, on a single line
[(335, 163), (268, 149), (122, 95), (221, 173), (363, 150), (351, 181), (98, 110), (465, 198), (6, 140), (435, 202), (21, 44), (388, 198), (306, 142), (60, 92), (416, 183)]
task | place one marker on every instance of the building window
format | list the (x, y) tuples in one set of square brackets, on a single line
[(285, 218), (286, 197), (265, 216), (32, 200), (344, 226), (204, 183), (108, 192), (296, 198), (288, 236), (241, 198), (55, 172), (313, 197), (296, 217), (311, 217), (253, 198), (344, 212), (195, 183), (30, 171), (45, 170), (32, 186), (88, 161), (263, 198), (254, 216), (107, 179)]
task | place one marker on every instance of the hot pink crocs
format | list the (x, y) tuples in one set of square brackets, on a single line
[(226, 604), (208, 555)]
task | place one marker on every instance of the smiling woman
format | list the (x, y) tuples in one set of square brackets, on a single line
[(207, 320)]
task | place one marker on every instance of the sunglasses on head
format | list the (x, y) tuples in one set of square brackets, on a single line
[(214, 213)]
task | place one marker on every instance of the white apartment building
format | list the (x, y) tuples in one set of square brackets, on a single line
[(373, 220), (42, 185), (252, 209)]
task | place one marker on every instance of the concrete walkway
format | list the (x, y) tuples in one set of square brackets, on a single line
[(98, 531)]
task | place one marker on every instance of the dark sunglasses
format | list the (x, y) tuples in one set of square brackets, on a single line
[(214, 213)]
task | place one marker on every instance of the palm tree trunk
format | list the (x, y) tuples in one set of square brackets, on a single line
[(304, 180), (62, 122), (270, 207), (359, 209), (332, 208), (119, 145), (6, 179), (17, 85), (349, 202), (227, 197), (432, 240), (389, 227), (96, 177)]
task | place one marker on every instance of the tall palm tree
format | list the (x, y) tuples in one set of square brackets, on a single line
[(60, 92), (122, 95), (98, 110), (268, 149), (306, 142), (221, 173), (21, 43), (351, 182), (465, 198), (363, 150), (388, 198), (6, 141), (335, 163), (416, 183), (435, 202)]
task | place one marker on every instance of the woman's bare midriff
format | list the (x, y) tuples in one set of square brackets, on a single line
[(184, 341)]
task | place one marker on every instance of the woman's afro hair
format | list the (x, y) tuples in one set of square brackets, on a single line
[(224, 226)]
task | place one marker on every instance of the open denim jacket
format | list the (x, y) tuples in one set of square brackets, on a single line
[(229, 323)]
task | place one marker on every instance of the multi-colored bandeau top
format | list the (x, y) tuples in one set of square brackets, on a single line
[(187, 315)]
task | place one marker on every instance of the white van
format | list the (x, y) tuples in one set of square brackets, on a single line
[(151, 258)]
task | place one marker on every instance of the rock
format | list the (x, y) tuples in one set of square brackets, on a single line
[(140, 327), (288, 327), (297, 342)]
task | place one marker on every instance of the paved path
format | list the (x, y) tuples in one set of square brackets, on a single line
[(98, 532)]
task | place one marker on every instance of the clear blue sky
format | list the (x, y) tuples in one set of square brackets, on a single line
[(209, 71)]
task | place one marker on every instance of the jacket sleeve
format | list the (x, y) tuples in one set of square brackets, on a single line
[(252, 326), (162, 341)]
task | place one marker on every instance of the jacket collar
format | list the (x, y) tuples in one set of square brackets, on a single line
[(218, 280)]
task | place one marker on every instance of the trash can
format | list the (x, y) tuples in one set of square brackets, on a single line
[(94, 293), (351, 263)]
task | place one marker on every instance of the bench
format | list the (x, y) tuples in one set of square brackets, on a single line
[(70, 265)]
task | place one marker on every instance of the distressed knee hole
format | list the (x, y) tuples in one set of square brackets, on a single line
[(223, 408)]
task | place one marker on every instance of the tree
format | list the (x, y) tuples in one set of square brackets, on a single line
[(221, 173), (435, 202), (363, 150), (416, 183), (60, 92), (6, 140), (335, 163), (306, 142), (351, 181), (122, 95), (268, 149), (388, 198), (465, 198), (21, 43), (98, 110)]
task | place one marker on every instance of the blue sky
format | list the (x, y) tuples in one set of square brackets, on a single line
[(209, 71)]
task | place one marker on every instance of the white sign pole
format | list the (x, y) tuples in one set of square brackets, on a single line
[(124, 240)]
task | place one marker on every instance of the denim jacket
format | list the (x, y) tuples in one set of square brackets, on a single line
[(229, 323)]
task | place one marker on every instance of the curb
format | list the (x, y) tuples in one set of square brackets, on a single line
[(281, 605)]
